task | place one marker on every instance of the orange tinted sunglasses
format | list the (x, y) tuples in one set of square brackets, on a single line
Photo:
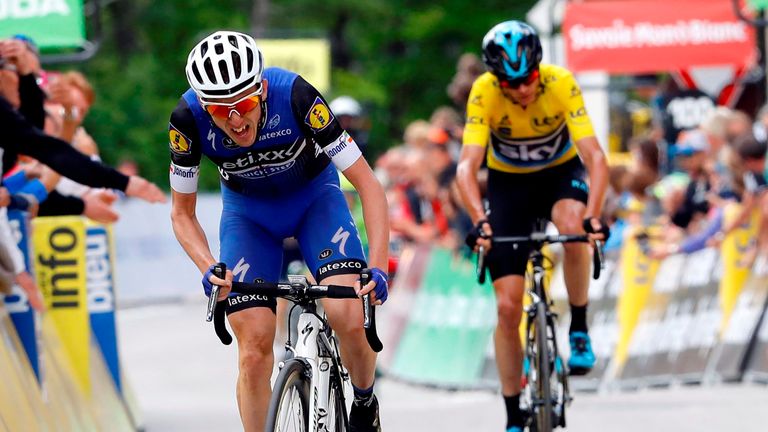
[(241, 107), (515, 84)]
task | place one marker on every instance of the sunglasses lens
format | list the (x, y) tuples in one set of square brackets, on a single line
[(242, 107), (515, 84)]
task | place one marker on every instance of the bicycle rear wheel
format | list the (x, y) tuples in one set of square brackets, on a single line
[(543, 390), (289, 405)]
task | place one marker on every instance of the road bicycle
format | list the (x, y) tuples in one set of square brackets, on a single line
[(545, 394), (308, 395)]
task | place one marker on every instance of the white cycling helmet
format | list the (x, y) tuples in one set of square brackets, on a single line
[(345, 105), (223, 64)]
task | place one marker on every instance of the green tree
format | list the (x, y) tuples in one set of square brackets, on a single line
[(396, 56)]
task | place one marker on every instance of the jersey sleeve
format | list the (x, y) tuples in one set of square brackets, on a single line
[(55, 153), (185, 150), (317, 121), (577, 118), (477, 128)]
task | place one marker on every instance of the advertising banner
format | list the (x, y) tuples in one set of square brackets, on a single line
[(101, 295), (17, 303), (645, 342), (450, 326), (693, 331), (59, 244), (742, 331), (638, 274), (310, 58), (637, 36), (734, 249), (50, 23)]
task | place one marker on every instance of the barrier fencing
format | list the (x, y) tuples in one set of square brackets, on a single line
[(60, 369), (694, 319)]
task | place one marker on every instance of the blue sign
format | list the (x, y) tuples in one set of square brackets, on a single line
[(101, 297), (17, 303)]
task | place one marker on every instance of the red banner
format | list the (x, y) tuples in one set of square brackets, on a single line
[(637, 36)]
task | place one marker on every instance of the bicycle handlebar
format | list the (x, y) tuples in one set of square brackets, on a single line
[(298, 290), (541, 239)]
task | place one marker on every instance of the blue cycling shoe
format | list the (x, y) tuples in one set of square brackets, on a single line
[(515, 429), (582, 358)]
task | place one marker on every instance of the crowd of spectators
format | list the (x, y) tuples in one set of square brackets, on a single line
[(56, 103), (715, 166), (681, 188)]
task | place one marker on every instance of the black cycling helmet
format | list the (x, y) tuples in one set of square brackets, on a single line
[(512, 50)]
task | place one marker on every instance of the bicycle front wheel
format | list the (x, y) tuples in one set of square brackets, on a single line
[(543, 403), (289, 406), (337, 410)]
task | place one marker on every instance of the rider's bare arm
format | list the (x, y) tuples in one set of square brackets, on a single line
[(188, 231), (597, 167), (375, 211), (471, 159)]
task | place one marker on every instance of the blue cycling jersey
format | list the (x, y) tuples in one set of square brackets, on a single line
[(283, 185), (297, 139)]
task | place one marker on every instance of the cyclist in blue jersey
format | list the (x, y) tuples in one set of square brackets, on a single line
[(277, 146)]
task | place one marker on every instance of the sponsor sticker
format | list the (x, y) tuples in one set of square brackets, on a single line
[(178, 142), (326, 253), (274, 121), (475, 120), (319, 116), (579, 116), (575, 91), (546, 123)]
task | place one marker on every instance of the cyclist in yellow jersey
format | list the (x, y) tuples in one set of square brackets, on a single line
[(528, 121)]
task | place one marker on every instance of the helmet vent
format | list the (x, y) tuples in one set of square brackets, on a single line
[(224, 71), (249, 57), (219, 48), (208, 65), (233, 41), (196, 72), (237, 65)]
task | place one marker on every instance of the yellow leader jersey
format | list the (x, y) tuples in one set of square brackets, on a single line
[(531, 138)]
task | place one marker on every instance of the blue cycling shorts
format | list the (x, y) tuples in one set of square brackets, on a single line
[(252, 230)]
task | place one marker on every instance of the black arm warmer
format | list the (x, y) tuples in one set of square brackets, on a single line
[(22, 137), (32, 98), (60, 205)]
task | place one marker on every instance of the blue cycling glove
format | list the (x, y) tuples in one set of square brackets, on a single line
[(207, 285), (380, 278)]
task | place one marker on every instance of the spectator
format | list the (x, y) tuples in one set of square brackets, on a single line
[(691, 153), (416, 136)]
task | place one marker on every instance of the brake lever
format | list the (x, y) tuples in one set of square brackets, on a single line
[(369, 315), (220, 271), (597, 260)]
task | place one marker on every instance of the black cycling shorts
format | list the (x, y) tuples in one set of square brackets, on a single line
[(517, 201), (238, 302)]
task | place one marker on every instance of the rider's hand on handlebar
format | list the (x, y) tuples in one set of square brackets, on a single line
[(378, 287), (209, 280), (480, 236), (596, 229)]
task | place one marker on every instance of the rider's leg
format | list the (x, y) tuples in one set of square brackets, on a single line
[(346, 318), (509, 352), (567, 215), (255, 332)]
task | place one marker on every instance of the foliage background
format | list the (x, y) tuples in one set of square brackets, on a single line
[(395, 56)]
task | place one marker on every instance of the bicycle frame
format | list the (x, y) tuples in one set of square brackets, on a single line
[(539, 295), (319, 352)]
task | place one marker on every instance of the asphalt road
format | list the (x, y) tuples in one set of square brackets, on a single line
[(184, 380)]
